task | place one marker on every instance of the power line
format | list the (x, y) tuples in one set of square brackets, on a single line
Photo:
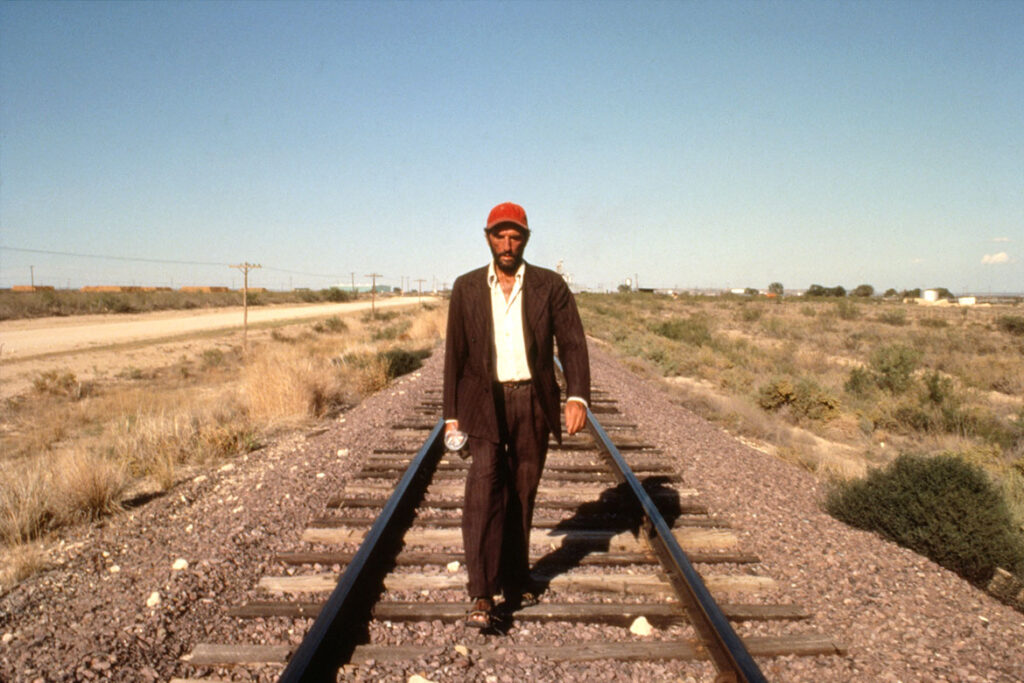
[(165, 261), (113, 258)]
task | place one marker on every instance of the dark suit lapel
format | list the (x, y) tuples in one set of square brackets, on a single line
[(483, 322), (533, 306)]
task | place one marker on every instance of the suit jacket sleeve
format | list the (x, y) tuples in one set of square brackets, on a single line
[(572, 342), (454, 351)]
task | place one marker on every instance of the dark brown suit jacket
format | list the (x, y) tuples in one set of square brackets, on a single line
[(549, 315)]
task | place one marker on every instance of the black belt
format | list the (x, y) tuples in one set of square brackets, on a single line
[(516, 383)]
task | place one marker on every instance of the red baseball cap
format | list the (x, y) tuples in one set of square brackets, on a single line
[(507, 213)]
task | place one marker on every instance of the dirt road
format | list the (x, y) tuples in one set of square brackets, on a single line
[(22, 339), (94, 346)]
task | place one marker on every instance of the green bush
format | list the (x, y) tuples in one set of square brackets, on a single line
[(402, 361), (777, 393), (933, 322), (332, 324), (860, 382), (894, 366), (847, 310), (938, 390), (749, 314), (804, 399), (941, 507), (1014, 324), (693, 330), (390, 332), (337, 295), (896, 317)]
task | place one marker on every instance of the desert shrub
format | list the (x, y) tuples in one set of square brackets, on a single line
[(337, 295), (279, 336), (808, 311), (749, 314), (894, 366), (399, 361), (847, 310), (114, 303), (64, 384), (938, 389), (390, 332), (1014, 324), (814, 402), (933, 322), (693, 330), (777, 393), (212, 358), (379, 316), (334, 324), (860, 382), (941, 507), (896, 317), (805, 398)]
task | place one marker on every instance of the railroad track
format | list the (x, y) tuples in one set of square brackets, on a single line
[(616, 545)]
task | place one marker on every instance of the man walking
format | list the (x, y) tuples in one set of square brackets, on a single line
[(500, 389)]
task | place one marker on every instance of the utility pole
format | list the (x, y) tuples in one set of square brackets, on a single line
[(245, 268), (419, 298), (353, 284), (373, 293), (32, 276)]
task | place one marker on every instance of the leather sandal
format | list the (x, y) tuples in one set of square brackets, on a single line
[(480, 615), (529, 599)]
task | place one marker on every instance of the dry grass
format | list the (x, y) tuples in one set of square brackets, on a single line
[(781, 374), (20, 561), (70, 450), (285, 384), (28, 501), (88, 484)]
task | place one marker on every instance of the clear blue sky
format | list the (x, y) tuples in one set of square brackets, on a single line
[(693, 144)]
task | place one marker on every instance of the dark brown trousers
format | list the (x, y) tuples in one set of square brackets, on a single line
[(500, 491)]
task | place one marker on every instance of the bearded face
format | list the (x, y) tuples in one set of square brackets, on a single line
[(507, 244)]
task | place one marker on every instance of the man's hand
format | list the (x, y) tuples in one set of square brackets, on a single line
[(575, 416)]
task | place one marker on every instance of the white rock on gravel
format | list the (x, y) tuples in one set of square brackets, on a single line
[(179, 564), (641, 627), (153, 600)]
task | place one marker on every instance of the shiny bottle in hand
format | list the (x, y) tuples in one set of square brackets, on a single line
[(455, 441)]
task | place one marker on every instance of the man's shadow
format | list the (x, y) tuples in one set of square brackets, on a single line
[(615, 511)]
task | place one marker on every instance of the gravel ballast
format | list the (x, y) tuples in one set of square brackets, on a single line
[(117, 603)]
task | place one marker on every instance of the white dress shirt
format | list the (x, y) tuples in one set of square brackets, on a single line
[(509, 340)]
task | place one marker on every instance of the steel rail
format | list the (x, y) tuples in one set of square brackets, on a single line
[(332, 637), (725, 648)]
